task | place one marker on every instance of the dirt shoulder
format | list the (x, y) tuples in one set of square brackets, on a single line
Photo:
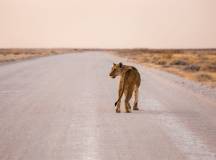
[(10, 55), (197, 65)]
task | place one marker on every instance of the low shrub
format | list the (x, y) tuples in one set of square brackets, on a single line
[(204, 77), (161, 62), (178, 62), (192, 68)]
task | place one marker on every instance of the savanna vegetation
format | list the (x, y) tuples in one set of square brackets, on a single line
[(198, 65)]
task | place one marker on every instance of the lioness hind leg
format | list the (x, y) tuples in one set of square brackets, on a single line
[(135, 107), (127, 103), (118, 107)]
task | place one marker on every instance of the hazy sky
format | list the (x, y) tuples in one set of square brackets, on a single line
[(108, 23)]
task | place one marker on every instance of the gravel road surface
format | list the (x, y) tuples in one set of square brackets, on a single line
[(62, 108)]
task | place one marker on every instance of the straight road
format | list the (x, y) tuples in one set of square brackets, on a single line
[(62, 108)]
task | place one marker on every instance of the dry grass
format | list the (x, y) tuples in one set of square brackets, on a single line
[(13, 57), (8, 55), (197, 65)]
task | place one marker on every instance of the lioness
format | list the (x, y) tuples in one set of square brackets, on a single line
[(129, 82)]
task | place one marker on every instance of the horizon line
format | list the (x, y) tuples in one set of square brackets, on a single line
[(98, 48)]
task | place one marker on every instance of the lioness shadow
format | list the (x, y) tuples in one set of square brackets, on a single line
[(184, 113)]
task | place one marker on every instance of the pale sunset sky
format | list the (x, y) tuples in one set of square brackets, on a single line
[(108, 23)]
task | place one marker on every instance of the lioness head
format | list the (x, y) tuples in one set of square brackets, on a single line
[(116, 70)]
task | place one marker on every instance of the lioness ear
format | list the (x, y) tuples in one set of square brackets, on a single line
[(120, 64), (114, 64)]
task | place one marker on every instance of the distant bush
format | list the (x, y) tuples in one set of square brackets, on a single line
[(178, 62), (192, 68), (204, 77), (212, 67), (162, 62), (209, 67), (167, 56)]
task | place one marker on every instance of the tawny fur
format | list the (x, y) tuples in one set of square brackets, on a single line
[(129, 83)]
